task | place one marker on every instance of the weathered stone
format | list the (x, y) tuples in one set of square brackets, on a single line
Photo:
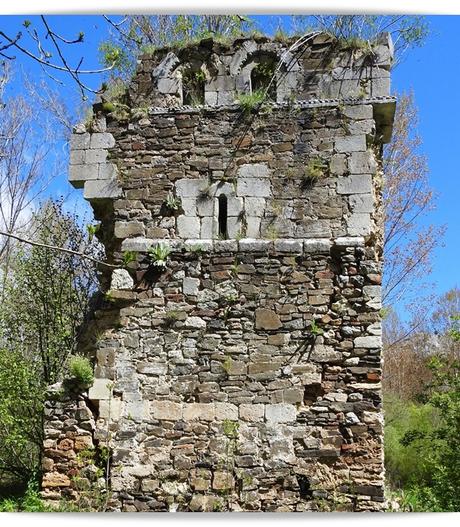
[(121, 279), (253, 187), (353, 143), (126, 229), (55, 479), (267, 319), (199, 411), (101, 389), (367, 342), (280, 413), (191, 286), (166, 410), (355, 184), (252, 412)]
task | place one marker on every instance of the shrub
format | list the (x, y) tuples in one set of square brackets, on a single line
[(159, 254), (251, 101), (81, 369)]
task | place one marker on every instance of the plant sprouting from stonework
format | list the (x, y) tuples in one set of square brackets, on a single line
[(159, 255), (315, 329), (128, 257), (315, 169), (250, 102), (93, 230), (81, 369), (230, 428), (172, 202)]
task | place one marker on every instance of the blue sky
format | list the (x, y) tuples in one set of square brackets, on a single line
[(431, 71)]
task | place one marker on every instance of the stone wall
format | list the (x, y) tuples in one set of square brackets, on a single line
[(241, 370)]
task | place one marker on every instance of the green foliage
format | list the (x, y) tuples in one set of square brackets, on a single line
[(92, 230), (250, 102), (422, 446), (81, 369), (230, 428), (129, 257), (30, 502), (113, 55), (21, 405), (315, 169), (45, 299), (407, 463), (315, 329), (159, 255), (172, 202)]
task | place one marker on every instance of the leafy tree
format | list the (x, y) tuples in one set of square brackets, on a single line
[(422, 441), (45, 302)]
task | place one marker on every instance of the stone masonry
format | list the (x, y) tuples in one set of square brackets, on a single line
[(237, 353)]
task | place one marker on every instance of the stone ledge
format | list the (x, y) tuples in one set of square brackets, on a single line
[(281, 245), (312, 103)]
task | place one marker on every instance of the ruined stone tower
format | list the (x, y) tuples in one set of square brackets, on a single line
[(237, 354)]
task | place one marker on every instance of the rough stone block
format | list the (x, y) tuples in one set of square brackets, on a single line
[(102, 141), (253, 245), (267, 319), (101, 389), (358, 111), (255, 170), (338, 164), (350, 241), (78, 174), (368, 342), (208, 228), (226, 411), (322, 246), (225, 246), (191, 188), (77, 157), (96, 156), (205, 206), (234, 206), (362, 203), (280, 413), (110, 409), (233, 227), (361, 163), (253, 187), (199, 411), (190, 286), (167, 85), (167, 410), (121, 279), (252, 412), (289, 246), (359, 224), (102, 189), (195, 323), (107, 171), (253, 226), (351, 143), (355, 184), (254, 206), (188, 227), (79, 141), (189, 206), (127, 229)]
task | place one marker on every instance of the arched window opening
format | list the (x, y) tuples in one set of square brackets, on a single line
[(261, 78), (222, 216), (193, 82)]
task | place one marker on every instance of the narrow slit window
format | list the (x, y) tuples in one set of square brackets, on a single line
[(222, 216)]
